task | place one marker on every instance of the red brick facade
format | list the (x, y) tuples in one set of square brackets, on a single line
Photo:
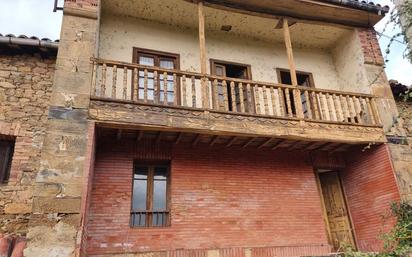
[(232, 199), (370, 45), (370, 187)]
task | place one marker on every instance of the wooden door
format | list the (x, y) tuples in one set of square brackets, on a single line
[(339, 226)]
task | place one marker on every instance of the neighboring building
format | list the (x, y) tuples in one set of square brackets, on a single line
[(405, 19), (200, 129)]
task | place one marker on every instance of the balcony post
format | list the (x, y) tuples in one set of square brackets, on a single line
[(292, 68), (202, 49)]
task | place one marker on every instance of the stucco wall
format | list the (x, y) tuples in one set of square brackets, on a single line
[(120, 34), (348, 60)]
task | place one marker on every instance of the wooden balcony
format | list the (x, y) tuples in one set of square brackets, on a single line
[(132, 95)]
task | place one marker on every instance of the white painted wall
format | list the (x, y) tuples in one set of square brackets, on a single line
[(349, 62), (120, 34)]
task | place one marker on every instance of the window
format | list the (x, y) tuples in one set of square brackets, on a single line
[(231, 70), (161, 60), (305, 79), (150, 199), (6, 154)]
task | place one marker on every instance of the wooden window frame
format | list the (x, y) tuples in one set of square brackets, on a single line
[(216, 61), (6, 166), (310, 74), (149, 193), (157, 55)]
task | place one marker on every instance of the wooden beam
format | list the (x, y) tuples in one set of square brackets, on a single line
[(289, 51), (139, 135), (293, 146), (196, 140), (202, 38), (266, 143), (179, 138), (231, 141), (159, 137), (277, 144), (320, 147), (214, 140), (248, 142), (119, 134)]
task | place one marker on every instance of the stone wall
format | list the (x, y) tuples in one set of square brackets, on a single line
[(401, 149), (25, 89)]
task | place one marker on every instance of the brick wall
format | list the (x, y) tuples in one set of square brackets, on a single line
[(25, 88), (370, 46), (370, 186), (221, 198)]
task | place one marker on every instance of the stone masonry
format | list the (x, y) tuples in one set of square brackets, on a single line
[(25, 90)]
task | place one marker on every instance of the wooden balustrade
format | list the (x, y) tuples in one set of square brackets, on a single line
[(151, 85)]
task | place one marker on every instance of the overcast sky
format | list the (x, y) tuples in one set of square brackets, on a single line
[(35, 17)]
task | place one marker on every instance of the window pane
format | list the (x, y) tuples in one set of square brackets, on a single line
[(144, 60), (140, 188), (159, 188), (165, 63), (6, 152)]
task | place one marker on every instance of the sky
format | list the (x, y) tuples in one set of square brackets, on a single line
[(36, 18)]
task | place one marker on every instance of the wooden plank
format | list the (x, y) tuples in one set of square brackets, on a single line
[(175, 90), (114, 82), (257, 100), (241, 98), (158, 137), (214, 140), (277, 144), (165, 82), (375, 111), (356, 106), (231, 141), (197, 139), (282, 103), (193, 80), (265, 100), (338, 111), (332, 115), (184, 90), (178, 138), (315, 103), (139, 135), (202, 38), (266, 143), (248, 142), (156, 88), (289, 51), (273, 98), (233, 96), (308, 105), (119, 134), (145, 85), (215, 87), (94, 77), (135, 84), (124, 83), (103, 84), (225, 97), (251, 108), (288, 103)]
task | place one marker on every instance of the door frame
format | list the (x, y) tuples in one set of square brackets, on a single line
[(216, 61), (322, 201)]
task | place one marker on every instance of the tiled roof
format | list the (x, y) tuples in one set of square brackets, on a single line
[(362, 5), (10, 44), (42, 42)]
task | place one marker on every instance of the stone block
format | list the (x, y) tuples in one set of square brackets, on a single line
[(17, 208), (56, 205)]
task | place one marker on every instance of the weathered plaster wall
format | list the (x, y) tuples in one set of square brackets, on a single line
[(120, 34), (348, 60), (25, 89)]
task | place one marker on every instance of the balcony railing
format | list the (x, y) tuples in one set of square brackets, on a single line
[(119, 81)]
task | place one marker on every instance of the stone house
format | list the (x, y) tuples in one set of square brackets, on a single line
[(199, 128)]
